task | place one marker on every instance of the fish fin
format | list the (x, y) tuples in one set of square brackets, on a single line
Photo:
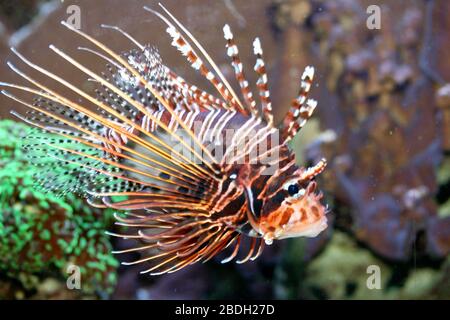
[(301, 108), (262, 82), (146, 169), (233, 53), (180, 42), (192, 238)]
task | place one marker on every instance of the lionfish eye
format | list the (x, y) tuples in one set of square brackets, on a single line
[(293, 189)]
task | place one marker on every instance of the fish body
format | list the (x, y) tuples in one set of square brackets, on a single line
[(192, 173)]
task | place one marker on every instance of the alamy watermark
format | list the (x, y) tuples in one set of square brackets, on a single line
[(254, 146), (74, 16), (374, 279), (73, 281), (374, 19)]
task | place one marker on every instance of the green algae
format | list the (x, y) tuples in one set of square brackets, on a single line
[(342, 271), (41, 233)]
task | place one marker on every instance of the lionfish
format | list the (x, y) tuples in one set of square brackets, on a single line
[(190, 173)]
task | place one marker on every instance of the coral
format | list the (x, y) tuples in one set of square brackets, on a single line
[(341, 272), (44, 234)]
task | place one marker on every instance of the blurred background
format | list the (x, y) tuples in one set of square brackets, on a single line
[(383, 123)]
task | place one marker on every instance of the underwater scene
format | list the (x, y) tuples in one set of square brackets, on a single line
[(228, 149)]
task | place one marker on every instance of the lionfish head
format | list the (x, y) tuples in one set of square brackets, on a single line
[(291, 207)]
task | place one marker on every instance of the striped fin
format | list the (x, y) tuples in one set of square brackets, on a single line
[(205, 160), (207, 57), (233, 53), (179, 169), (78, 150), (149, 64), (261, 83), (301, 108), (182, 94), (44, 149), (184, 239), (181, 43), (197, 95)]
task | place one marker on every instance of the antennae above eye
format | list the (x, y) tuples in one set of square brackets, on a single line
[(311, 172)]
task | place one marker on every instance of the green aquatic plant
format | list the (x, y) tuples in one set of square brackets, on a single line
[(42, 233), (341, 272), (346, 270)]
